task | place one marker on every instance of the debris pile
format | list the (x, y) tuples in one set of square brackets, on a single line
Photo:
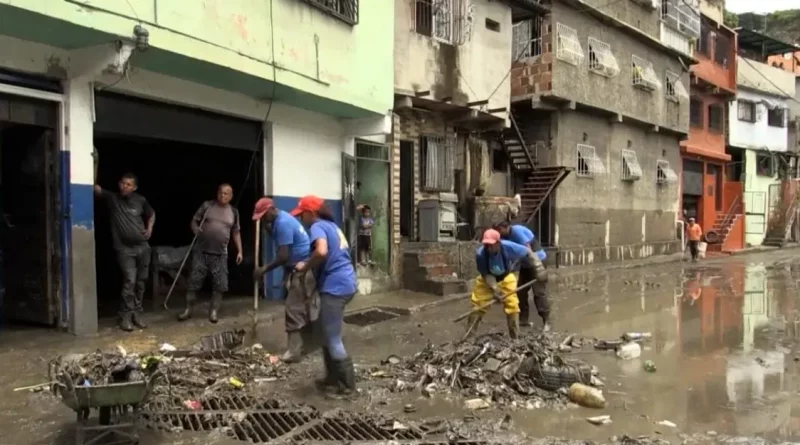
[(529, 372)]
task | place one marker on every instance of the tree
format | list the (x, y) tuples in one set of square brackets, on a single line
[(731, 20)]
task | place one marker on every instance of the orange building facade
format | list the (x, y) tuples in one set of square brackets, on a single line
[(706, 193)]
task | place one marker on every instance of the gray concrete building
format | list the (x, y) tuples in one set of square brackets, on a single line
[(599, 91)]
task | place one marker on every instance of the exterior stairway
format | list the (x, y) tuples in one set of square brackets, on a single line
[(782, 218), (539, 181), (724, 224)]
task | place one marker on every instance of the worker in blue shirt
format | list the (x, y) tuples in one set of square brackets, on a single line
[(293, 247), (495, 261), (522, 235)]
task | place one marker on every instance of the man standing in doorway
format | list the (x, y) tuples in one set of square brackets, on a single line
[(213, 224), (132, 221), (695, 234)]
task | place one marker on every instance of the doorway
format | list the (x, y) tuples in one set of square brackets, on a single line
[(407, 189), (29, 220), (372, 168)]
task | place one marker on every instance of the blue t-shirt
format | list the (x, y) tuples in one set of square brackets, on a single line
[(287, 231), (513, 254), (336, 275), (523, 235)]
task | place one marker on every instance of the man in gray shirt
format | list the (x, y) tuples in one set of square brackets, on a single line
[(132, 221), (213, 223)]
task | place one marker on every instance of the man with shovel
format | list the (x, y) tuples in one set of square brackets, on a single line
[(495, 260)]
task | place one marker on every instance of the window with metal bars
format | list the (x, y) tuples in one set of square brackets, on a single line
[(631, 170), (664, 173), (721, 48), (716, 118), (568, 46), (765, 165), (527, 38), (696, 112), (675, 91), (746, 110), (601, 58), (437, 159), (776, 117), (344, 10), (443, 20), (589, 165), (643, 75)]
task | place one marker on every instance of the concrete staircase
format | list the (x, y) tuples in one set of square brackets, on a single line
[(723, 225), (782, 219), (427, 271)]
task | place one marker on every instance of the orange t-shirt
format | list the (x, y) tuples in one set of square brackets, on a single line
[(695, 232)]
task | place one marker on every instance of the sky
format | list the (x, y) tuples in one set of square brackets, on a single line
[(760, 6)]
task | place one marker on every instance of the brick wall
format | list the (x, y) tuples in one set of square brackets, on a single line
[(533, 75)]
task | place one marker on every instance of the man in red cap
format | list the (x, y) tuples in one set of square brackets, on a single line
[(293, 247), (495, 260)]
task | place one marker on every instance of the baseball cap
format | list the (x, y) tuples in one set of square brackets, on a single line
[(491, 236), (308, 203), (262, 207)]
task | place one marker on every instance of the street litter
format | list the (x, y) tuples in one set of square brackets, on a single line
[(599, 420), (629, 351), (649, 366), (491, 370), (586, 396), (666, 423)]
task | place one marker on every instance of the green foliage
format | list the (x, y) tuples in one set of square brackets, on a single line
[(782, 25), (731, 19)]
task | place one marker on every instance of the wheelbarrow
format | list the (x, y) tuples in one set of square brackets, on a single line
[(117, 404)]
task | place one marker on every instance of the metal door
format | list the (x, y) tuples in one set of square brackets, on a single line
[(30, 226), (349, 212)]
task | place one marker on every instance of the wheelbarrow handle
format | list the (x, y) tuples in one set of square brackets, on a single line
[(493, 301)]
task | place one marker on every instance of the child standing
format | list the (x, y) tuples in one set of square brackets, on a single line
[(365, 224)]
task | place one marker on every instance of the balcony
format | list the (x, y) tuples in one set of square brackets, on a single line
[(682, 15), (715, 51)]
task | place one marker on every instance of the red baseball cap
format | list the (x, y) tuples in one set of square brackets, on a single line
[(262, 207), (491, 236), (308, 203)]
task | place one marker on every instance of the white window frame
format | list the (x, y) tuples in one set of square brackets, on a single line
[(665, 173), (631, 169), (524, 43), (643, 76), (674, 89), (601, 59), (446, 33), (568, 45), (587, 163)]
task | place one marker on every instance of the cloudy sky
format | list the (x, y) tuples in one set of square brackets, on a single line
[(760, 6)]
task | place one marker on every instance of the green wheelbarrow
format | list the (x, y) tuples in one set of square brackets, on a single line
[(117, 405)]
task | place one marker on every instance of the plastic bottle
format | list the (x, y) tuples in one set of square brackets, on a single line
[(629, 351), (633, 336), (586, 396)]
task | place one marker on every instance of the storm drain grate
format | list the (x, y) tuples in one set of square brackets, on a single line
[(369, 316), (352, 428)]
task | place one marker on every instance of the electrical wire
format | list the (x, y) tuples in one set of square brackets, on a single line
[(788, 96)]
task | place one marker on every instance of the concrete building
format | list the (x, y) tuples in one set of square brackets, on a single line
[(270, 96), (706, 193), (451, 106), (601, 89), (758, 136)]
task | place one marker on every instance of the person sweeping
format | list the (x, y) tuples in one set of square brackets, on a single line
[(495, 260)]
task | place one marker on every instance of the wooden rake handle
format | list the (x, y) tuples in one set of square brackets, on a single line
[(493, 301)]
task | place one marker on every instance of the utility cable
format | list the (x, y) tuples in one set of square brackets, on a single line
[(788, 96)]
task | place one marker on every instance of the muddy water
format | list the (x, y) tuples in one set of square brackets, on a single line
[(723, 341)]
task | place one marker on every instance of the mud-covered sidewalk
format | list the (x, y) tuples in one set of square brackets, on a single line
[(723, 342)]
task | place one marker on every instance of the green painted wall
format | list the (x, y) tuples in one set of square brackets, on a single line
[(318, 57), (374, 192), (757, 190)]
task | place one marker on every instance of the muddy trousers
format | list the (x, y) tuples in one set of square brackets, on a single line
[(301, 310), (339, 370), (482, 294), (694, 249), (539, 290), (135, 265)]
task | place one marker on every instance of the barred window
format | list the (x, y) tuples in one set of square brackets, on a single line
[(344, 10), (437, 159), (746, 110)]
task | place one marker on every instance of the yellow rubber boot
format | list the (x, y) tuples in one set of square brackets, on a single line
[(513, 325)]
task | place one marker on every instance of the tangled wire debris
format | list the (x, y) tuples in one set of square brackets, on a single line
[(529, 372)]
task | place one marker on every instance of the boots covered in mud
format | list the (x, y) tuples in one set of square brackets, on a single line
[(331, 379), (345, 374), (191, 298), (294, 347), (473, 322), (216, 302), (513, 325)]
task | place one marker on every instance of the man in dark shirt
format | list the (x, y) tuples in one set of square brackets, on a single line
[(132, 221), (213, 223)]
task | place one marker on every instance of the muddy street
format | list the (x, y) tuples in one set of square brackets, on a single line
[(723, 344)]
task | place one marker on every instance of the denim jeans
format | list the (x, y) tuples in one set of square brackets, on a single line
[(331, 315)]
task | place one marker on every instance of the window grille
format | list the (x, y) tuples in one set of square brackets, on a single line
[(643, 75), (568, 47), (438, 163), (746, 110), (444, 20), (716, 118), (682, 15), (721, 48), (765, 165), (674, 88), (344, 10), (601, 58), (527, 38), (589, 164), (664, 173), (776, 117), (631, 170)]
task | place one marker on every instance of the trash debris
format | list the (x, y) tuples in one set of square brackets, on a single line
[(409, 408), (193, 405), (476, 404), (608, 344), (599, 420), (667, 423), (637, 336), (629, 351), (587, 396), (166, 347), (236, 383), (491, 367), (649, 366)]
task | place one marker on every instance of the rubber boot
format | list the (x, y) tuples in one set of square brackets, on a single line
[(125, 322), (346, 375), (191, 297), (331, 379), (294, 349), (513, 325), (137, 320), (216, 302), (546, 321), (473, 322)]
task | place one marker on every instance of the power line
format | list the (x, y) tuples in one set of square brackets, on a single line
[(789, 96)]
